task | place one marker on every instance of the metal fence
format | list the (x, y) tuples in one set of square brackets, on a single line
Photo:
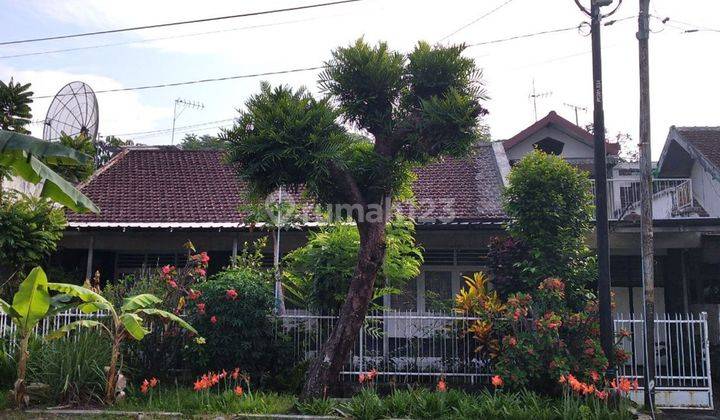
[(8, 329), (671, 196), (682, 358)]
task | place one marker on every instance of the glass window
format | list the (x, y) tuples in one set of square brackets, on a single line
[(438, 290), (407, 300)]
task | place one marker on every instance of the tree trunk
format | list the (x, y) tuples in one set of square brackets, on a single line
[(20, 386), (324, 370), (112, 370)]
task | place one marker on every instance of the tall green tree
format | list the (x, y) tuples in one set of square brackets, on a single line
[(204, 142), (15, 112), (416, 108)]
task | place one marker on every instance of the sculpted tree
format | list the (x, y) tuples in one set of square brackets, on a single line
[(415, 108)]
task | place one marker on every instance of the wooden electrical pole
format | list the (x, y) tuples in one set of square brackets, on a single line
[(601, 207), (646, 213)]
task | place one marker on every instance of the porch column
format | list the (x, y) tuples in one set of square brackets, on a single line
[(88, 269), (234, 250)]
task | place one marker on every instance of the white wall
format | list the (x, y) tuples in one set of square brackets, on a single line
[(706, 190), (573, 148)]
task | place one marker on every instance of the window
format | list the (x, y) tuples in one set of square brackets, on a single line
[(550, 146), (438, 290), (407, 299)]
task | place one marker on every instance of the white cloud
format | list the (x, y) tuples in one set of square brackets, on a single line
[(117, 111)]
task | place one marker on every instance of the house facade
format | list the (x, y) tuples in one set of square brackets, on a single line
[(153, 199)]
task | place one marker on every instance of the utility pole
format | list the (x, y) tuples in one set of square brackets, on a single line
[(534, 96), (646, 213), (576, 108), (183, 106), (600, 167)]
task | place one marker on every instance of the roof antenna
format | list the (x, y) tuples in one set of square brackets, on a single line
[(576, 108), (535, 96), (183, 106)]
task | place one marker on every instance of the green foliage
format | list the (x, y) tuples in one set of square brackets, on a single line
[(318, 274), (15, 112), (204, 142), (72, 367), (233, 314), (8, 366), (550, 206), (366, 405), (76, 173), (189, 402), (24, 155), (317, 407), (30, 229), (295, 155)]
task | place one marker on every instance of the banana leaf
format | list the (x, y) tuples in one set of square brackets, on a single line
[(49, 152)]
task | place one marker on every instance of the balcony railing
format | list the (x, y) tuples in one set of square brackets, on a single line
[(672, 198)]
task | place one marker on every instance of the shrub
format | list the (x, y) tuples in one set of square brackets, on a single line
[(73, 367), (319, 273), (30, 229), (534, 339), (549, 203), (233, 315)]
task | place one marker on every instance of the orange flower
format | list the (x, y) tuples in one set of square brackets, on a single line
[(153, 382), (199, 385), (603, 395), (562, 379), (622, 385), (497, 381), (235, 373), (223, 374), (594, 375), (441, 385), (362, 378), (238, 390), (372, 374), (145, 386)]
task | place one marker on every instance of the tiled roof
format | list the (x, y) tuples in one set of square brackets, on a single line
[(705, 140), (145, 186)]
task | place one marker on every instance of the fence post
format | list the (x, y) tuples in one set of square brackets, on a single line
[(362, 347), (706, 353)]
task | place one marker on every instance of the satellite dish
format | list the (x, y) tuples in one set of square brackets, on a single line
[(73, 111)]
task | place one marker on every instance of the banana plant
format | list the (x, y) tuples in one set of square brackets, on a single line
[(30, 305), (125, 322)]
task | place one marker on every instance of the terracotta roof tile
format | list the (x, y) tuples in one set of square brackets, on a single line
[(705, 139), (168, 185)]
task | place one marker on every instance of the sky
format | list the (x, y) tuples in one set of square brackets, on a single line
[(684, 87)]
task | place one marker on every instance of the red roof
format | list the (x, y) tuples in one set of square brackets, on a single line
[(705, 140), (169, 185), (553, 119)]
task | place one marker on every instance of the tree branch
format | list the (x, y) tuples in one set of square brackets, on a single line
[(352, 190)]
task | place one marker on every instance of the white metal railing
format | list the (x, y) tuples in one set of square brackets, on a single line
[(412, 347), (682, 358), (671, 196)]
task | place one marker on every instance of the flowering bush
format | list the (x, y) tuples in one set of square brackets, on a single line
[(232, 313), (532, 339), (162, 351)]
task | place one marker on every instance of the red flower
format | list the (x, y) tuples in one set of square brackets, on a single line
[(201, 308), (441, 385), (497, 381), (145, 386), (201, 271), (167, 269), (204, 258), (153, 382), (362, 378), (235, 373), (594, 375), (199, 385), (213, 319), (562, 379), (194, 294), (603, 395), (372, 374), (238, 390), (231, 294), (172, 283)]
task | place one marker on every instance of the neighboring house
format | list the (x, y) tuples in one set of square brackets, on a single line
[(153, 199)]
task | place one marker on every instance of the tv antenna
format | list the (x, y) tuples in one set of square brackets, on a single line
[(576, 108), (535, 95), (183, 105)]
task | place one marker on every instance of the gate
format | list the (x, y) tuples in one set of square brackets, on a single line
[(682, 359)]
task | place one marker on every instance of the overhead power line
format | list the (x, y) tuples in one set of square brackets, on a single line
[(184, 22), (304, 69), (165, 38), (192, 82), (481, 17)]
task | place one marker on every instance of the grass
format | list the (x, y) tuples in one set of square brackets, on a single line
[(187, 401)]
